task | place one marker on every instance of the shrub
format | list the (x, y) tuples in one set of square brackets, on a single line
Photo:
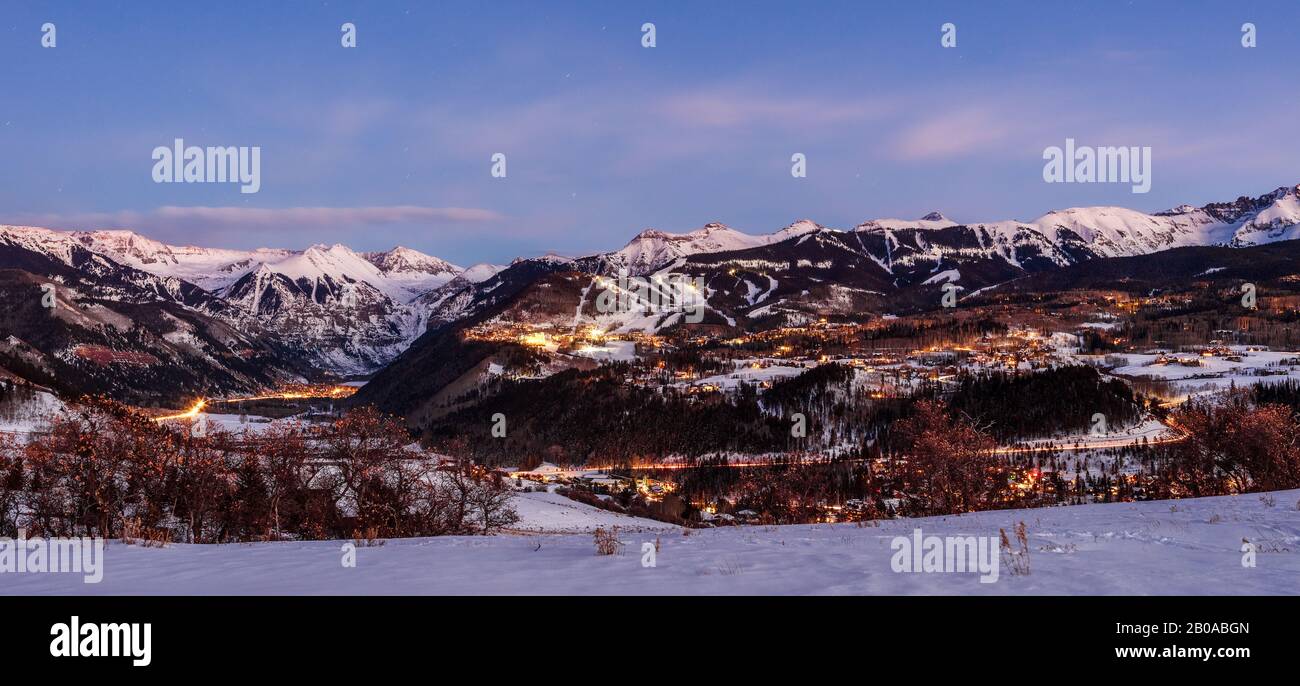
[(607, 542), (1015, 559)]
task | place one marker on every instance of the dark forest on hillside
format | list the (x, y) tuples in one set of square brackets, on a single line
[(595, 417)]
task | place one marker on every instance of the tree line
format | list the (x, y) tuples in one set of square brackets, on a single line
[(104, 469)]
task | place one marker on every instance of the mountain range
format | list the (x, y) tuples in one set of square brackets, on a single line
[(805, 271), (886, 265), (222, 319)]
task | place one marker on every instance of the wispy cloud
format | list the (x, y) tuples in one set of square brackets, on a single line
[(633, 128), (955, 133), (733, 107), (259, 218)]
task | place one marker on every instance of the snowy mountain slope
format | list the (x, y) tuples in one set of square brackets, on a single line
[(340, 323), (807, 272), (49, 251), (400, 272), (651, 249), (1060, 237), (353, 312), (481, 272), (1183, 547), (348, 312), (412, 270), (33, 411), (320, 264), (211, 268), (933, 220), (1269, 219), (338, 308), (1120, 232), (118, 330), (55, 244), (1070, 235)]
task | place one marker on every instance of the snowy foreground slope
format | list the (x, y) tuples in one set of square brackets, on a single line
[(1186, 547), (556, 514)]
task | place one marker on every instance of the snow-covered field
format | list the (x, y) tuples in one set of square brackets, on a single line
[(610, 351), (1186, 547), (1194, 374), (553, 513), (1150, 429), (746, 372), (32, 416), (231, 422)]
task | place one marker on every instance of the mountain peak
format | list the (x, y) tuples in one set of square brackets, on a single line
[(480, 272), (650, 234), (709, 228), (933, 220), (798, 228), (1285, 191), (401, 259)]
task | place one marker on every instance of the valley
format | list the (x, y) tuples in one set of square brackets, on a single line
[(1075, 359)]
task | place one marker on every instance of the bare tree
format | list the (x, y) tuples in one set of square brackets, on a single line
[(491, 501), (949, 464), (13, 482)]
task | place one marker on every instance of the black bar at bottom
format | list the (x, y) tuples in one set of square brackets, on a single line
[(676, 638)]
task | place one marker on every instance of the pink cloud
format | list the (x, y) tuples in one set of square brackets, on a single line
[(955, 133), (663, 128), (715, 108), (258, 218)]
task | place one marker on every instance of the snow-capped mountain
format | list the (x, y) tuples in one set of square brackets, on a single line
[(401, 272), (1066, 236), (933, 220), (1266, 219), (342, 323), (352, 312), (107, 327), (481, 272), (652, 250), (1060, 237), (347, 312), (67, 250), (807, 270), (211, 268), (323, 265), (415, 271)]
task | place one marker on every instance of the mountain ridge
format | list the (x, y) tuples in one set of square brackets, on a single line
[(352, 312)]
